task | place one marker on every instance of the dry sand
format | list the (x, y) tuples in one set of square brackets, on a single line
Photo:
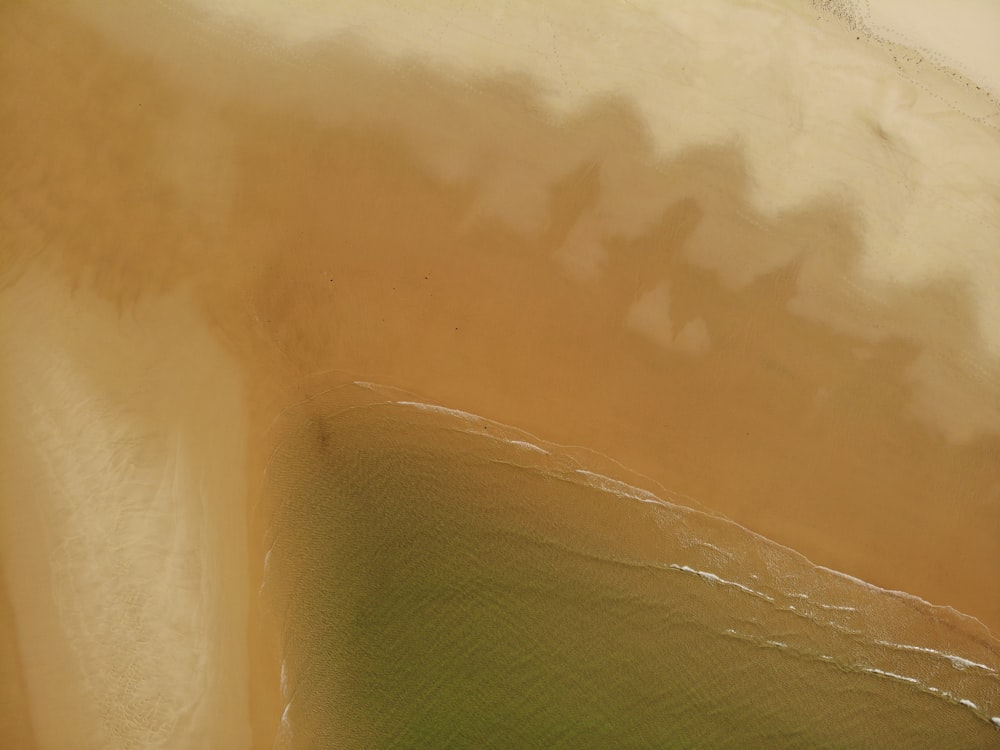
[(764, 276)]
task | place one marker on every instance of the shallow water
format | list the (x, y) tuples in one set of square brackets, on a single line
[(442, 581)]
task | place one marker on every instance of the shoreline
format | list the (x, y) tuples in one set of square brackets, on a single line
[(817, 618), (591, 466)]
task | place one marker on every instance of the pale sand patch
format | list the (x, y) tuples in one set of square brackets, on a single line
[(650, 315), (123, 522), (466, 204)]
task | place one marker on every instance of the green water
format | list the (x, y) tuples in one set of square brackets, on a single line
[(439, 589)]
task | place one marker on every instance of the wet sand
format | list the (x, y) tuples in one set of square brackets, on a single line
[(768, 302)]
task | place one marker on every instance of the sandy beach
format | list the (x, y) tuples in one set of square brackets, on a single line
[(768, 289)]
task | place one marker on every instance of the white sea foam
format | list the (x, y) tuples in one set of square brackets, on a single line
[(717, 579), (901, 595), (969, 704), (285, 730), (463, 415), (622, 489), (528, 446), (467, 417), (709, 545), (958, 662), (892, 675), (267, 570)]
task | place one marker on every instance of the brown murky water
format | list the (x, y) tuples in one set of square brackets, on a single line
[(204, 224)]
